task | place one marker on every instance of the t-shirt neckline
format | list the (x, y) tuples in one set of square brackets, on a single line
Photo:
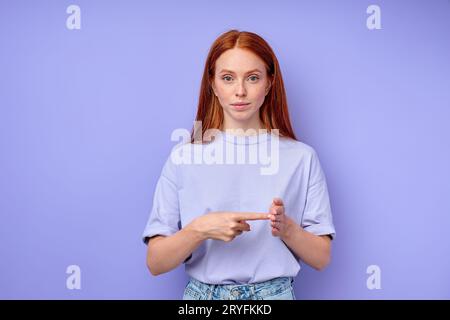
[(261, 136)]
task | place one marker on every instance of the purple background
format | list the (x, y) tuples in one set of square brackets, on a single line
[(86, 117)]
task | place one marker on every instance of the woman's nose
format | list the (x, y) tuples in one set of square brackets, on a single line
[(241, 90)]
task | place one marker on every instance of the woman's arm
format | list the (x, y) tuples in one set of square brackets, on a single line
[(312, 249), (165, 253)]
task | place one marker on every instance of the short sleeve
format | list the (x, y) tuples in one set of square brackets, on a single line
[(317, 216), (164, 217)]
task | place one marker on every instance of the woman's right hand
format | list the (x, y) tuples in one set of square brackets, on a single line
[(224, 225)]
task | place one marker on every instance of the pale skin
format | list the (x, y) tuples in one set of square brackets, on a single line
[(240, 76)]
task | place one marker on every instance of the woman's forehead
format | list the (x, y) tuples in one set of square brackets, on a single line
[(239, 61)]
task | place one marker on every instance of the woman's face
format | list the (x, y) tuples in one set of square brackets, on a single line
[(240, 77)]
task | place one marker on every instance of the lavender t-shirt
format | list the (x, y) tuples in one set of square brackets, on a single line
[(235, 173)]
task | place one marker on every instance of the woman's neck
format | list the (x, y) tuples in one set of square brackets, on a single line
[(242, 129)]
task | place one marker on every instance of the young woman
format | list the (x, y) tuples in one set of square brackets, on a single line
[(240, 231)]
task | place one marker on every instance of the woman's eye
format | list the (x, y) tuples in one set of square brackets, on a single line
[(229, 78)]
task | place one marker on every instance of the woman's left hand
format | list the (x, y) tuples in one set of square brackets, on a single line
[(279, 220)]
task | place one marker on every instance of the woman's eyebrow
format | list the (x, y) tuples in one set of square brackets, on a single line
[(229, 71)]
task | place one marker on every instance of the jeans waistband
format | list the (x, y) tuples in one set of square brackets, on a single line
[(282, 282)]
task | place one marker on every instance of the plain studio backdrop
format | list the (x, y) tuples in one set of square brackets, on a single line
[(91, 91)]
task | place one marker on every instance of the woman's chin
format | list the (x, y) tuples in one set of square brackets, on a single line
[(247, 113)]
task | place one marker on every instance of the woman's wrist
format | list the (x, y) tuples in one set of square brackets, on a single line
[(194, 231), (292, 228)]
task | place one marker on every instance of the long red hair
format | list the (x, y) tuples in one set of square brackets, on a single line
[(274, 111)]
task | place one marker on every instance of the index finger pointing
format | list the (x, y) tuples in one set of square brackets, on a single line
[(251, 216)]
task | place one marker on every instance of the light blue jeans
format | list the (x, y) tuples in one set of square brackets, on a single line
[(274, 289)]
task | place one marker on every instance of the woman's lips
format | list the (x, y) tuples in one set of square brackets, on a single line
[(240, 106)]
